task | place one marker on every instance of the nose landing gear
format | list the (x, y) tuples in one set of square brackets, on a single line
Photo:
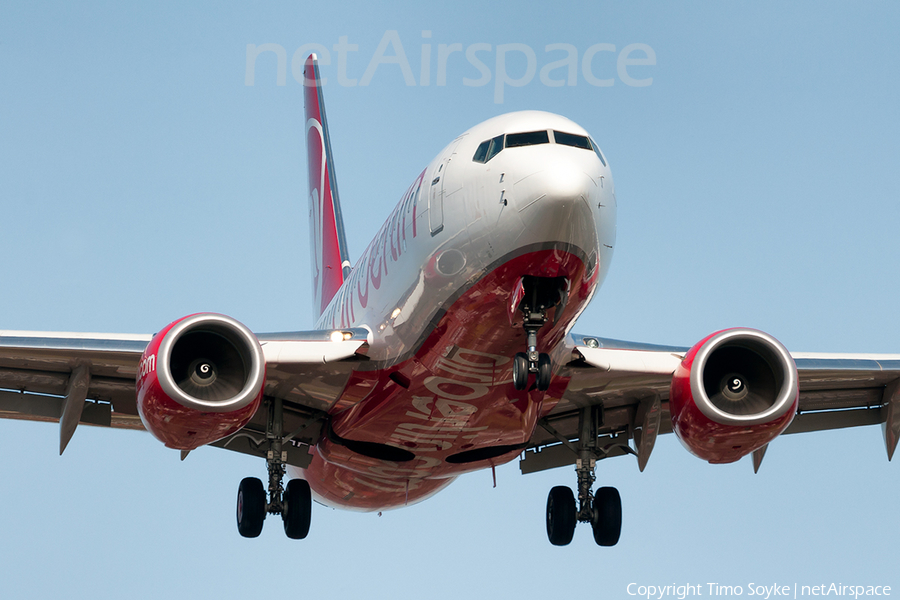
[(532, 362), (539, 295)]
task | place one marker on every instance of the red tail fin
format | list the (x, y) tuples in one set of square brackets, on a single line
[(330, 259)]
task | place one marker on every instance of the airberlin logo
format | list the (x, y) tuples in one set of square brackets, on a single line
[(466, 377), (434, 423), (474, 65), (387, 248)]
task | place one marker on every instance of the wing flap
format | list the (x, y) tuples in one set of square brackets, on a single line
[(837, 419), (37, 407)]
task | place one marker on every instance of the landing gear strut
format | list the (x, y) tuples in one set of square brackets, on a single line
[(539, 295), (603, 509), (294, 504), (532, 362)]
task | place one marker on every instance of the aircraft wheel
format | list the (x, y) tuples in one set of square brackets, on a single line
[(560, 516), (520, 371), (607, 522), (544, 372), (297, 509), (251, 507)]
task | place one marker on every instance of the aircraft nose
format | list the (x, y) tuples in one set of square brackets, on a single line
[(553, 197)]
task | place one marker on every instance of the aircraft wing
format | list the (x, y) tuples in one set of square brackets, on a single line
[(627, 385), (49, 376), (78, 378)]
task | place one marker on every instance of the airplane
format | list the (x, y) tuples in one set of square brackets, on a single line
[(446, 348)]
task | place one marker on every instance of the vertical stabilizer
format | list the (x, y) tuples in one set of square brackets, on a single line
[(330, 259)]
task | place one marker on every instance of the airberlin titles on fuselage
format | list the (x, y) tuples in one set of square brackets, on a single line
[(388, 246)]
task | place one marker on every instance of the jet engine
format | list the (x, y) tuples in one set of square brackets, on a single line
[(200, 379), (733, 393)]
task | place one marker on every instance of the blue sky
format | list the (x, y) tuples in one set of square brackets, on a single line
[(142, 179)]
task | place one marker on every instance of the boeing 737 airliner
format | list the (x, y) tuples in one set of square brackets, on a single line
[(447, 347)]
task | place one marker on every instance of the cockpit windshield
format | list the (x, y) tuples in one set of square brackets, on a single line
[(488, 149), (531, 138), (571, 139)]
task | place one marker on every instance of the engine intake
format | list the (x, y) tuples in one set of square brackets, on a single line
[(201, 379), (215, 363), (734, 392)]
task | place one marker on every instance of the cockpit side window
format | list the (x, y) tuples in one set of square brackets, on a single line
[(496, 147), (529, 138), (597, 152), (481, 152), (571, 139)]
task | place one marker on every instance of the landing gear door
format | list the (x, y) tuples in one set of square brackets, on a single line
[(436, 194)]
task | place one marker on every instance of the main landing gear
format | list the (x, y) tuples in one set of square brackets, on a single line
[(539, 294), (603, 509), (293, 503)]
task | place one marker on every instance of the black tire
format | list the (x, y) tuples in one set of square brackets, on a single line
[(607, 523), (520, 371), (251, 507), (560, 516), (545, 372), (297, 509)]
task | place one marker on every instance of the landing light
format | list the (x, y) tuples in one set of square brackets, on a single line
[(337, 336)]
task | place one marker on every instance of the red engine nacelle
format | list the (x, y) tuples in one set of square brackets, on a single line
[(733, 393), (200, 379)]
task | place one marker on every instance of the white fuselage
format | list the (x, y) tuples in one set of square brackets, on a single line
[(460, 218), (439, 289)]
